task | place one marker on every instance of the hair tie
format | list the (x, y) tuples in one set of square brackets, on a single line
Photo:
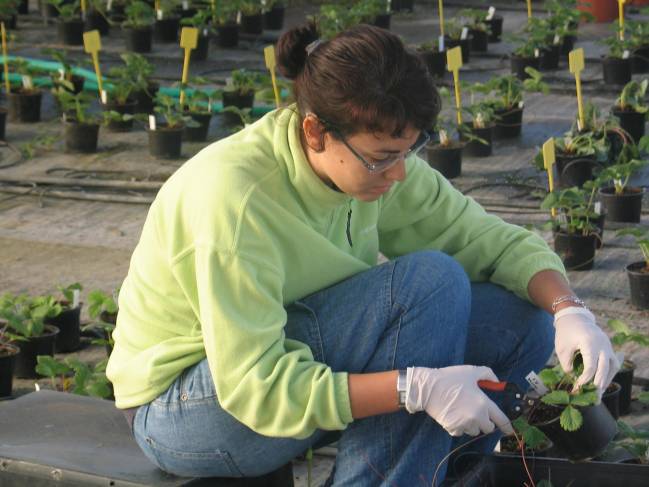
[(311, 47)]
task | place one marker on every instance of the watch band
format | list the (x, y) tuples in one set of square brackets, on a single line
[(402, 384)]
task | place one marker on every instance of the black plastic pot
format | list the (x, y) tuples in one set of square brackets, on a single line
[(138, 40), (8, 355), (166, 30), (81, 138), (202, 48), (465, 46), (252, 24), (401, 5), (518, 65), (198, 134), (11, 21), (626, 207), (69, 324), (274, 18), (31, 348), (117, 13), (575, 170), (479, 40), (576, 251), (624, 377), (495, 28), (435, 62), (475, 148), (3, 123), (144, 99), (631, 121), (96, 21), (509, 123), (596, 432), (640, 60), (447, 160), (126, 108), (549, 58), (611, 399), (228, 35), (48, 10), (639, 284), (617, 71), (568, 44), (240, 101), (25, 107), (382, 21), (23, 7), (77, 82), (70, 32), (165, 143)]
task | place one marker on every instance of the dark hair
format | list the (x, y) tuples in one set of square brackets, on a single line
[(364, 78)]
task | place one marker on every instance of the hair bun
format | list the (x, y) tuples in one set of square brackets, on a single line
[(291, 49)]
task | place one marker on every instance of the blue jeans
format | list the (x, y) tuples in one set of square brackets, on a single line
[(417, 310)]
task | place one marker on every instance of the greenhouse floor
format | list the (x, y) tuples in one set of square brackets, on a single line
[(48, 237)]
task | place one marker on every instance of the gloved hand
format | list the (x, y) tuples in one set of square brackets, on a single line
[(451, 396), (576, 330)]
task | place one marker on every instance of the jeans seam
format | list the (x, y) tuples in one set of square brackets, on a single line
[(318, 336)]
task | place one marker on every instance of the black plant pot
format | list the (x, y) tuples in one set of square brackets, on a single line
[(465, 46), (640, 60), (23, 7), (631, 121), (69, 324), (31, 348), (626, 207), (252, 24), (70, 32), (274, 18), (475, 148), (575, 170), (639, 284), (447, 160), (165, 143), (519, 63), (617, 71), (25, 107), (8, 355), (3, 123), (126, 108), (383, 21), (166, 30), (144, 99), (96, 21), (401, 5), (77, 82), (479, 40), (435, 62), (611, 399), (549, 58), (240, 101), (48, 10), (495, 28), (138, 40), (624, 377), (228, 35), (576, 251), (509, 123), (81, 138), (596, 432), (117, 13), (11, 22), (202, 48), (198, 134), (568, 44)]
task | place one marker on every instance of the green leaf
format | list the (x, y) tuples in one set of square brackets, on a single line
[(570, 419), (550, 377), (99, 389), (587, 398), (50, 367), (556, 398), (643, 397), (619, 326)]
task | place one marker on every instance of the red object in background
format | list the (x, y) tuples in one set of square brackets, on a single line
[(603, 10)]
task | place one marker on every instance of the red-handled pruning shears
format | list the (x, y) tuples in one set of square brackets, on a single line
[(516, 401)]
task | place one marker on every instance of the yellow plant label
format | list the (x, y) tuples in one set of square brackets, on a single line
[(269, 57), (189, 37), (529, 9), (4, 54), (576, 60), (454, 58), (91, 41), (548, 161), (441, 17)]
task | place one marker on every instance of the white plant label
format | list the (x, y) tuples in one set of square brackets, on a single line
[(537, 53), (61, 74), (579, 127), (152, 122), (27, 82), (209, 105), (520, 104), (598, 207), (491, 12), (75, 298), (37, 387), (465, 33), (159, 14), (556, 39), (536, 383), (205, 32), (104, 97), (626, 54), (109, 5), (388, 6), (185, 5), (441, 43), (239, 17), (64, 117)]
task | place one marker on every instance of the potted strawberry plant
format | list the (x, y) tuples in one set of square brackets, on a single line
[(274, 15), (66, 72), (165, 138), (577, 155), (622, 202), (136, 73), (68, 319), (74, 376), (631, 108), (25, 318), (252, 18), (638, 272), (70, 25), (434, 59), (456, 35), (167, 22), (103, 309), (124, 81), (200, 20), (638, 31), (478, 132), (526, 53), (224, 19), (81, 129), (24, 101), (617, 64), (635, 441), (445, 153), (8, 353), (198, 106), (527, 437), (475, 20), (138, 26), (239, 91)]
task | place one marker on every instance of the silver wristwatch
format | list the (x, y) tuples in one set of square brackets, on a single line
[(402, 380)]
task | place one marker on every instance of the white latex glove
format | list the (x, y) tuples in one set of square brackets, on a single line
[(451, 396), (577, 330)]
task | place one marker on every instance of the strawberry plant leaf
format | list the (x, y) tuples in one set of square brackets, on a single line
[(556, 398), (619, 326), (643, 397), (584, 398), (570, 419)]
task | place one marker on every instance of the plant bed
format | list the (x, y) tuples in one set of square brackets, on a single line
[(198, 133), (274, 18), (81, 137), (495, 28), (622, 207), (166, 30), (638, 275), (25, 106), (227, 35), (165, 142), (70, 32), (252, 24), (519, 63), (43, 344), (447, 159), (127, 108), (138, 39), (611, 399), (8, 354), (617, 71)]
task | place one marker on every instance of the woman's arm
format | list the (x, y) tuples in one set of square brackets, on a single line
[(373, 393), (548, 285)]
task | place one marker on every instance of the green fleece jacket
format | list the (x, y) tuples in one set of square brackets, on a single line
[(245, 228)]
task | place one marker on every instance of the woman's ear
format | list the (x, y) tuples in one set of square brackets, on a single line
[(314, 133)]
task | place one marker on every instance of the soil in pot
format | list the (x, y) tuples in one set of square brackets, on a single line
[(446, 159), (519, 63), (25, 106), (596, 432), (576, 251), (611, 399), (274, 18), (626, 207), (70, 32), (81, 138), (3, 122), (550, 58), (8, 355), (640, 60), (198, 134), (144, 99), (617, 71), (252, 24), (631, 121), (166, 30), (476, 148), (435, 62), (126, 108), (465, 46), (575, 170), (495, 28), (69, 324), (138, 40), (31, 348), (228, 35), (479, 40), (165, 143), (638, 274), (509, 123), (96, 21), (624, 377)]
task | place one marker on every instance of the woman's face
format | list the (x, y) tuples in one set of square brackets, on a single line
[(340, 162)]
